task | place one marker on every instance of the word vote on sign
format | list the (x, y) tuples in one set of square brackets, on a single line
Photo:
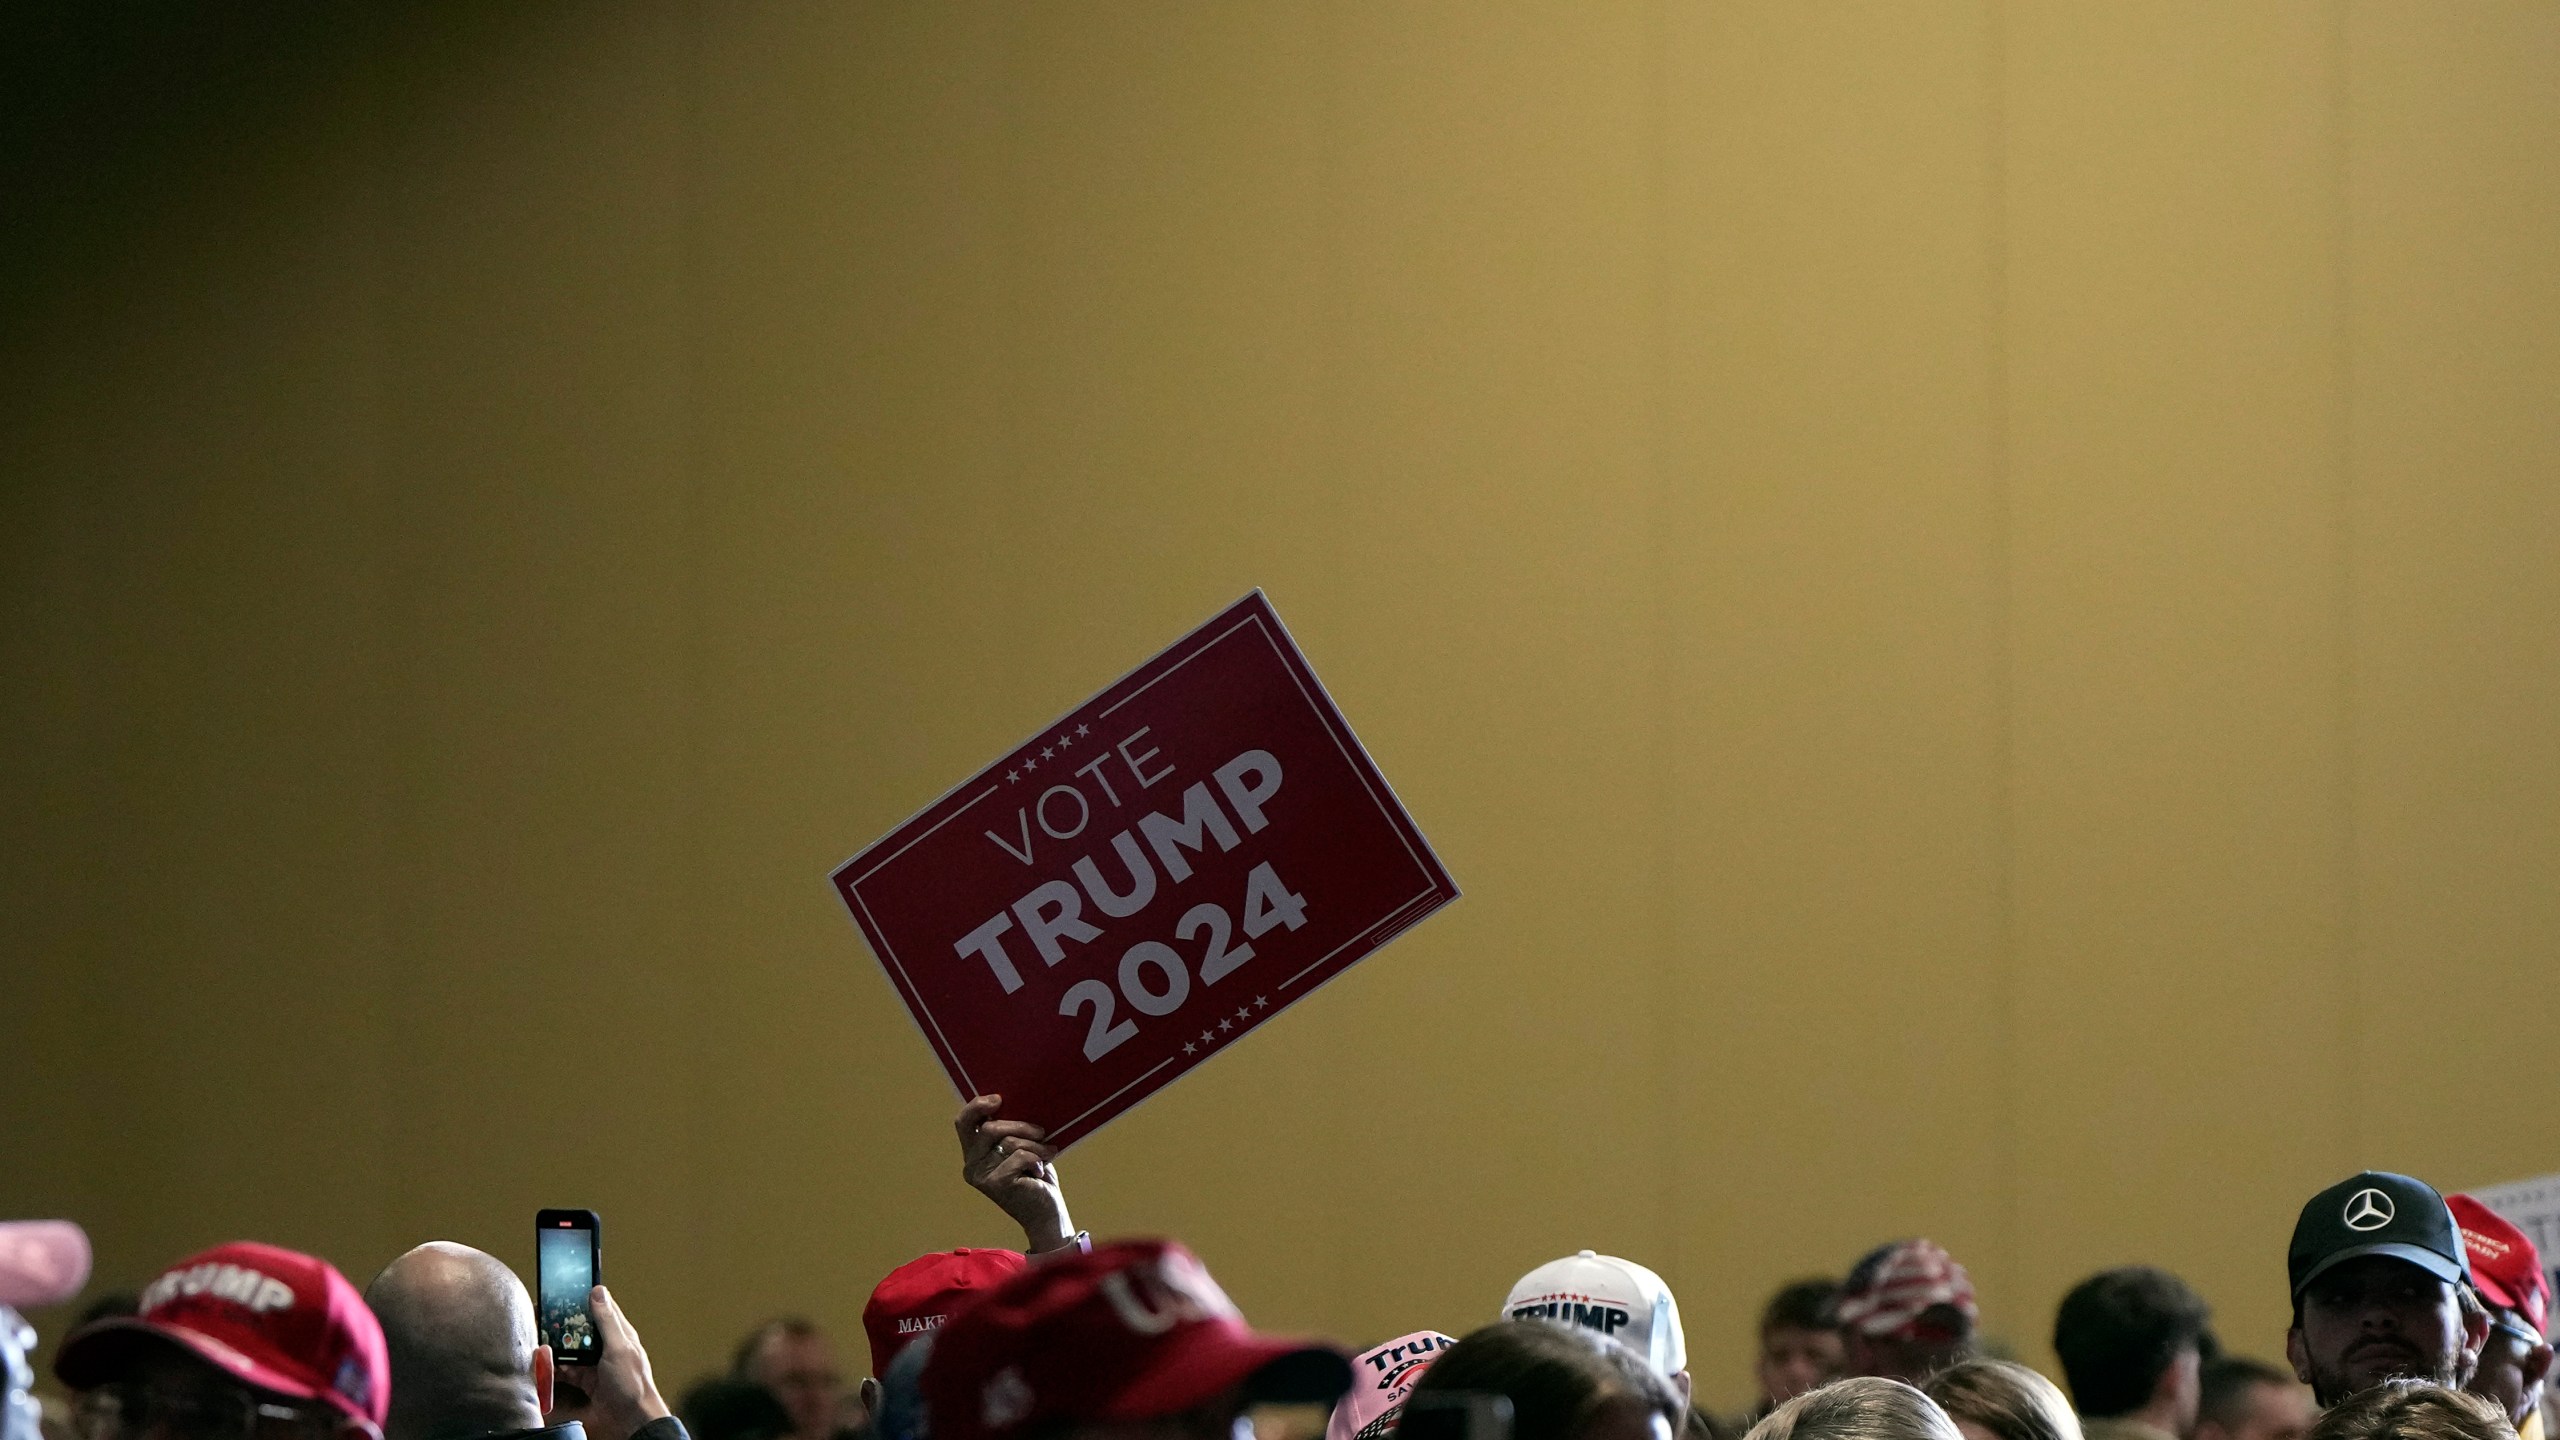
[(1140, 884)]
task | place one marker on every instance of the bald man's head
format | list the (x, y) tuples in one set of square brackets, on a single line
[(464, 1356)]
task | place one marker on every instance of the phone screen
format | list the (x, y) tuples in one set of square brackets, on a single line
[(565, 1244)]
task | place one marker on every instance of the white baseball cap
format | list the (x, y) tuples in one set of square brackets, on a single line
[(1619, 1298)]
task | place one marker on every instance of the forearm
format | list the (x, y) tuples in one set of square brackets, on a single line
[(1046, 1225)]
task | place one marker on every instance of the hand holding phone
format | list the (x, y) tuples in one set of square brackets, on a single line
[(617, 1397), (569, 1263)]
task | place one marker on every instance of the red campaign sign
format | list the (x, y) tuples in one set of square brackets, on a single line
[(1141, 883)]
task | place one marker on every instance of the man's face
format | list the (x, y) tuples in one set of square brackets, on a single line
[(2270, 1412), (169, 1394), (1794, 1360), (800, 1370), (2512, 1364), (2373, 1319)]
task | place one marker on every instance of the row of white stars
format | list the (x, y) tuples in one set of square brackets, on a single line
[(1047, 752), (1243, 1012)]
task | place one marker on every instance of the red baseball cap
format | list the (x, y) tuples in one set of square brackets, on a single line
[(2504, 1265), (1134, 1330), (921, 1296), (276, 1319)]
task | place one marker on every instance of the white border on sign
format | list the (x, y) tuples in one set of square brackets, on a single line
[(950, 1049), (1059, 719), (1359, 771), (1397, 913), (920, 839), (1320, 703), (1116, 1094), (1206, 646), (854, 889)]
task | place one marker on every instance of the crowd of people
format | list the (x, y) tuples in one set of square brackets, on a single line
[(2415, 1317)]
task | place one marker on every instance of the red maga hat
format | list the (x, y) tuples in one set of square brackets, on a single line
[(1134, 1330), (922, 1295), (2504, 1265), (279, 1320)]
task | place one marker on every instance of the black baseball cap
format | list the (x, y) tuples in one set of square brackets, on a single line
[(2376, 1213)]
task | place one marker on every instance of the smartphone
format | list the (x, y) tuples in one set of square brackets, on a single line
[(1455, 1415), (569, 1261)]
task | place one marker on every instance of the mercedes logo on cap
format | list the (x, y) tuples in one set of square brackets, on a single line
[(2368, 1210)]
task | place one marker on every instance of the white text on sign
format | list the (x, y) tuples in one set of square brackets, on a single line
[(1154, 977)]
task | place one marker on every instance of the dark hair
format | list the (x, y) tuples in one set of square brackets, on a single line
[(2413, 1410), (798, 1327), (2005, 1398), (722, 1408), (2119, 1331), (1801, 1305), (2223, 1396), (1864, 1407), (1555, 1375), (114, 1305)]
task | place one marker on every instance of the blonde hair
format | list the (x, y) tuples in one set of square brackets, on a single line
[(2413, 1410), (2005, 1398), (1868, 1407)]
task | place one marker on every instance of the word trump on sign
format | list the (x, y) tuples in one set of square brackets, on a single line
[(1145, 881), (1051, 913)]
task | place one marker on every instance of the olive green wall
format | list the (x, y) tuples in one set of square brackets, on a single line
[(1971, 590)]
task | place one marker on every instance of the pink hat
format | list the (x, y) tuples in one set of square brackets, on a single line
[(42, 1262), (276, 1319), (1380, 1381)]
